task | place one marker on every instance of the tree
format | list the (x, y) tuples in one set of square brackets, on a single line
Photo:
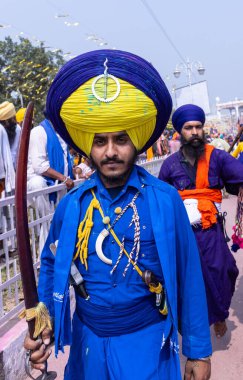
[(26, 71)]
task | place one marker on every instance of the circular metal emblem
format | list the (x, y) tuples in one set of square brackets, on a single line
[(106, 76)]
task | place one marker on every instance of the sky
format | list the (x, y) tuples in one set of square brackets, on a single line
[(166, 33)]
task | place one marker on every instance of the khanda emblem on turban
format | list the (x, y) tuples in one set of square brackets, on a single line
[(104, 83)]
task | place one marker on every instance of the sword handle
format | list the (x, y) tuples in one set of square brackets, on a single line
[(149, 278), (81, 291), (45, 374)]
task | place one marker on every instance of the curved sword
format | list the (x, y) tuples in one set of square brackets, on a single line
[(22, 229)]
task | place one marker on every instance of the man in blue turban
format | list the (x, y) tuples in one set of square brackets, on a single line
[(186, 113), (199, 172), (126, 232)]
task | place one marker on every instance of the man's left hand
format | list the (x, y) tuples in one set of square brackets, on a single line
[(197, 370)]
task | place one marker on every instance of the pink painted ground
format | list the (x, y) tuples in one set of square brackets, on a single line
[(227, 360)]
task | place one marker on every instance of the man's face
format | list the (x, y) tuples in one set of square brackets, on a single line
[(113, 154), (10, 127), (10, 123), (192, 132)]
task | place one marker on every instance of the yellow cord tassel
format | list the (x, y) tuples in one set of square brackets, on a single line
[(84, 231), (41, 316)]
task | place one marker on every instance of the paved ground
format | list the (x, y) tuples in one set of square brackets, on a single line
[(227, 360)]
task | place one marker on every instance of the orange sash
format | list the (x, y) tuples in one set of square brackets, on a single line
[(205, 196)]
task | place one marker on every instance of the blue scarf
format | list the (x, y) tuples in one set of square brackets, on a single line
[(55, 155), (54, 150)]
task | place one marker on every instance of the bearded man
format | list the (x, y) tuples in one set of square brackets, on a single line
[(199, 172), (7, 173), (126, 232), (8, 120)]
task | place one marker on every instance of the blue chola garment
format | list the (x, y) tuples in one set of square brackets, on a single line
[(218, 264), (119, 333)]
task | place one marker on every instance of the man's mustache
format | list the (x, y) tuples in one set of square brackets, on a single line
[(111, 160), (192, 139)]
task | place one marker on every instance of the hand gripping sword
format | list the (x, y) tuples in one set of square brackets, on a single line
[(22, 231)]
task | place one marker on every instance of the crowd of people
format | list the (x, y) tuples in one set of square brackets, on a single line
[(151, 252), (169, 142), (50, 160), (46, 144)]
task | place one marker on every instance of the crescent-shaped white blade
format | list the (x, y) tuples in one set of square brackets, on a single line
[(98, 247)]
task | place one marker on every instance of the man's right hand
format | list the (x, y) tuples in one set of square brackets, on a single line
[(69, 183), (197, 369), (40, 349)]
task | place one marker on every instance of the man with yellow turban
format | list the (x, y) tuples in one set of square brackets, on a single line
[(20, 116), (8, 120), (124, 232)]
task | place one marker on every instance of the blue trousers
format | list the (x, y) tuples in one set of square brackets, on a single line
[(135, 356)]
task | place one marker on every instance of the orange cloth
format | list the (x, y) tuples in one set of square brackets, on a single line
[(205, 196), (175, 136), (76, 160), (150, 153)]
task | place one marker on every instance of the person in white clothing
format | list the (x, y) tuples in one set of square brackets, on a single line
[(7, 176), (48, 163), (84, 170), (8, 120), (7, 173), (38, 162)]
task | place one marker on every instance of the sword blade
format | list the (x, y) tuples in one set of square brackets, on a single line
[(22, 230)]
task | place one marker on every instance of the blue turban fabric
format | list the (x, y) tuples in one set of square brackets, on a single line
[(126, 66), (185, 113)]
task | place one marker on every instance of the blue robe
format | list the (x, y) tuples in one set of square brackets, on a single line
[(182, 277), (218, 264)]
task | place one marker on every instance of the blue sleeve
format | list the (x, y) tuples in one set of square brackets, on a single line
[(164, 173), (192, 304), (45, 285)]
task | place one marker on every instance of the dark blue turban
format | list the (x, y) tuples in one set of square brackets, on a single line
[(123, 65), (188, 112)]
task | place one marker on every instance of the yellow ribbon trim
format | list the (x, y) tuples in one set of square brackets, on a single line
[(164, 311), (84, 231), (41, 316), (155, 289), (158, 289)]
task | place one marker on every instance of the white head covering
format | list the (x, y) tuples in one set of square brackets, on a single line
[(7, 110)]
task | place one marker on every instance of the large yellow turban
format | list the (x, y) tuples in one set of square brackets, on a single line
[(20, 115), (7, 110), (132, 111), (108, 91)]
